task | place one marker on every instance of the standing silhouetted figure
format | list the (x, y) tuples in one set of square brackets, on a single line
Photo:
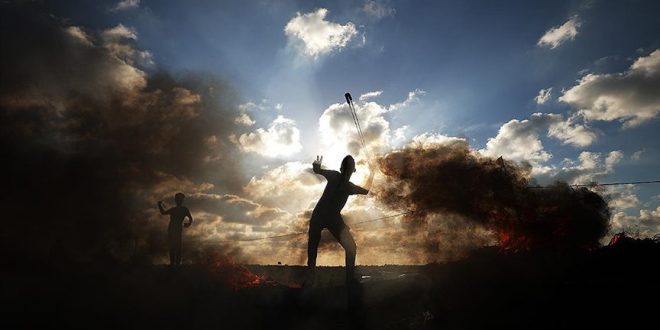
[(327, 211), (175, 228)]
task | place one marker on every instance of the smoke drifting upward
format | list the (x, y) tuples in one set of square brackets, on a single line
[(90, 140), (448, 180)]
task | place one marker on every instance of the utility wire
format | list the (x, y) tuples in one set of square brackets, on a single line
[(304, 232), (602, 184), (615, 183)]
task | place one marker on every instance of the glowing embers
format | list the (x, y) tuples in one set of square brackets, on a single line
[(225, 270)]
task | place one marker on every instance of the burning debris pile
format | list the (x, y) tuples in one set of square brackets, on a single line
[(451, 179), (224, 269)]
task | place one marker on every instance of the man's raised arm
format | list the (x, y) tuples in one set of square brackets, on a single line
[(316, 167), (161, 208)]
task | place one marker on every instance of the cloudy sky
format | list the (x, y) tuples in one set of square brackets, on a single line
[(569, 87)]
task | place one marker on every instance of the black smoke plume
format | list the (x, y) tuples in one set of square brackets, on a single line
[(90, 140), (451, 179)]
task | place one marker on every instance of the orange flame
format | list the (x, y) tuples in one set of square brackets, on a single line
[(235, 275)]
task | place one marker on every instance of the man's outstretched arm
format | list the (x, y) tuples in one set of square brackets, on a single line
[(161, 208)]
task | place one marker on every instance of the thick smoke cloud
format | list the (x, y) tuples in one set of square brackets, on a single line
[(446, 181), (90, 139)]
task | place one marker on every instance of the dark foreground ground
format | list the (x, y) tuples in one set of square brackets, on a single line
[(611, 287)]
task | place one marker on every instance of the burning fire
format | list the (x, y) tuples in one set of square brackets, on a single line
[(235, 275), (508, 240)]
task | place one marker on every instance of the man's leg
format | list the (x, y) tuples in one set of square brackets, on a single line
[(172, 256), (343, 234), (171, 243), (314, 237), (177, 249)]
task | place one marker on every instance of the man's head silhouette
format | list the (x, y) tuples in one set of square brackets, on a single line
[(347, 166), (178, 198)]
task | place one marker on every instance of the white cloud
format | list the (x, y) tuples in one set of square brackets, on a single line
[(637, 155), (647, 223), (613, 158), (412, 97), (80, 35), (282, 138), (370, 95), (570, 132), (590, 167), (125, 5), (120, 42), (519, 140), (624, 201), (236, 209), (631, 97), (251, 106), (427, 140), (338, 132), (378, 9), (119, 32), (244, 119), (621, 197), (144, 57), (315, 36), (555, 36), (648, 65), (400, 133), (291, 186), (544, 96), (262, 105)]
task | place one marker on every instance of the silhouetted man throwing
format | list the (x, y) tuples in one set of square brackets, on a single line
[(327, 211), (174, 229)]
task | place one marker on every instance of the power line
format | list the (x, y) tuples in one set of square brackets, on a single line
[(594, 184), (382, 218), (262, 238), (304, 232), (615, 183)]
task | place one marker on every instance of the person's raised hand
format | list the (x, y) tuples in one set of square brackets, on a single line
[(318, 161)]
